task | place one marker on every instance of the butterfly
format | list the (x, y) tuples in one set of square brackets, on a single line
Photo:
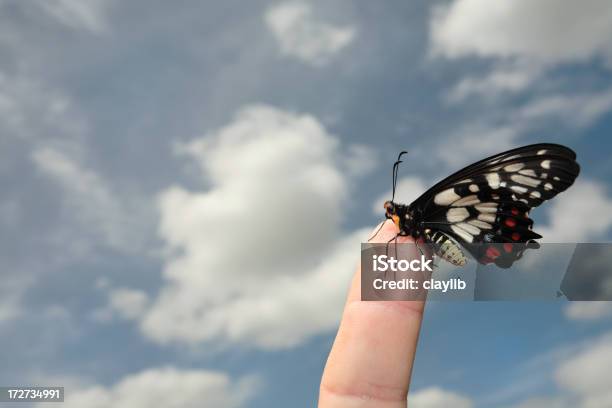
[(485, 207)]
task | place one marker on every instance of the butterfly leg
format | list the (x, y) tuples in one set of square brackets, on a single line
[(418, 247), (387, 251), (396, 256), (377, 231), (416, 243), (387, 245)]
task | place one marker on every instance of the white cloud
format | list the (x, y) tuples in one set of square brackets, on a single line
[(523, 40), (78, 14), (543, 30), (499, 128), (11, 293), (129, 303), (125, 303), (359, 160), (301, 35), (165, 387), (435, 397), (571, 213), (503, 78), (586, 374), (259, 258), (580, 373), (588, 310), (116, 220), (408, 189), (476, 141), (9, 308), (546, 402), (580, 110), (29, 110)]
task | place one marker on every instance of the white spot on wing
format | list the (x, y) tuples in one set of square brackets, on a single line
[(473, 188), (493, 180), (467, 200), (446, 197), (541, 152), (486, 207), (519, 189), (462, 233), (481, 224), (457, 214), (546, 164), (469, 228), (527, 181), (487, 217), (528, 172), (548, 186), (535, 194), (511, 168)]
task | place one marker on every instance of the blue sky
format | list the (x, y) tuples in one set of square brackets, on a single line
[(186, 186)]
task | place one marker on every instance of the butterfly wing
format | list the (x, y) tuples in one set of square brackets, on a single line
[(489, 201)]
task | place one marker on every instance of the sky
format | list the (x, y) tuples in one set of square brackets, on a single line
[(185, 187)]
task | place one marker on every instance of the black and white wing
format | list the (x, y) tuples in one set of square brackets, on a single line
[(485, 206)]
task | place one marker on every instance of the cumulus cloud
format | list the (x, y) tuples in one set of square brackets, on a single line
[(116, 220), (494, 132), (580, 214), (523, 40), (301, 35), (258, 258), (588, 311), (586, 373), (579, 372), (435, 397), (543, 30), (166, 387)]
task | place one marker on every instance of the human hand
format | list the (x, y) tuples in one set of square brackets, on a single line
[(372, 356)]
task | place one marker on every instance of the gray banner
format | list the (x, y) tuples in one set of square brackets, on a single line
[(504, 272), (31, 394)]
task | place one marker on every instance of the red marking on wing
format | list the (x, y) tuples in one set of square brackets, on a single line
[(511, 222), (493, 252)]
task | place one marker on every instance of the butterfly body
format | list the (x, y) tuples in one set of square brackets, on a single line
[(448, 249), (485, 207)]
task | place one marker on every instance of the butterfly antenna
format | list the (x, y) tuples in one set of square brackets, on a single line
[(395, 170)]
